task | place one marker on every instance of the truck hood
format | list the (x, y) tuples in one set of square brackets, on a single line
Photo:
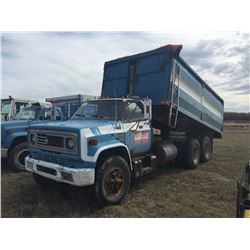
[(14, 124), (72, 125)]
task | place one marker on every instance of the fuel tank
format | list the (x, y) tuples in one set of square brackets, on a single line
[(164, 151)]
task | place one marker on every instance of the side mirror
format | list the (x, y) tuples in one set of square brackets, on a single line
[(61, 116)]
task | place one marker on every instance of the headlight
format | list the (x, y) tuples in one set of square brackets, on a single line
[(9, 131), (33, 138), (70, 143)]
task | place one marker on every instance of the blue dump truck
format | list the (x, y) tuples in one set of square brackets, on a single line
[(14, 146), (14, 133), (153, 109)]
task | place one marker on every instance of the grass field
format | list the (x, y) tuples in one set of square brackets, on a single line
[(171, 191)]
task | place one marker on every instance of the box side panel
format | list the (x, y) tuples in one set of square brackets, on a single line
[(198, 101), (115, 79), (153, 77)]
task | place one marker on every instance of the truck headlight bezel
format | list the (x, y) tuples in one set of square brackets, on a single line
[(33, 138), (65, 146), (70, 143)]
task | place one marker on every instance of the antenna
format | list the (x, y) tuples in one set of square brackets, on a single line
[(115, 99)]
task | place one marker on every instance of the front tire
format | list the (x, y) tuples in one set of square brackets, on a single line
[(112, 180), (192, 153), (17, 156)]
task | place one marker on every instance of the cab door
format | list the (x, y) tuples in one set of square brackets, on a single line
[(137, 128)]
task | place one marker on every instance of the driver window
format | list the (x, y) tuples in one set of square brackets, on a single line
[(19, 105), (135, 111)]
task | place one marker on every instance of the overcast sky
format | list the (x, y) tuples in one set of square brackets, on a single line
[(48, 64)]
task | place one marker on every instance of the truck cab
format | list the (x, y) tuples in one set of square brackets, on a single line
[(96, 146), (11, 106), (14, 133)]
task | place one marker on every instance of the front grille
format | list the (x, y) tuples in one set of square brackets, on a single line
[(50, 157), (52, 140), (42, 139)]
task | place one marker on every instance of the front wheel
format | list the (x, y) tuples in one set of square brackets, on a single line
[(112, 180), (17, 156)]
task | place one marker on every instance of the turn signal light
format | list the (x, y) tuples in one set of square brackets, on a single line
[(93, 142), (9, 131)]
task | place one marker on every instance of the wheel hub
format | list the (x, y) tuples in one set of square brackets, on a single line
[(207, 151), (21, 157), (195, 155), (114, 182)]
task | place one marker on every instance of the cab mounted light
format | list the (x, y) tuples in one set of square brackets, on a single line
[(93, 142)]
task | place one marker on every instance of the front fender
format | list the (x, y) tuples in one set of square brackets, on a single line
[(85, 134), (8, 141)]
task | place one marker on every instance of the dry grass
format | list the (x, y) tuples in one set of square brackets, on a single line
[(209, 191)]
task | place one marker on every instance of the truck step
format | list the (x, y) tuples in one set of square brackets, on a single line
[(144, 165)]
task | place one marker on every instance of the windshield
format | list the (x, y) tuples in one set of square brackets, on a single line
[(100, 109), (5, 107), (27, 113)]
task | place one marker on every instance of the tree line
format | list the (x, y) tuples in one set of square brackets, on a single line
[(236, 116)]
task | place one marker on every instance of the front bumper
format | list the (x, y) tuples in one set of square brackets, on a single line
[(76, 177), (4, 152)]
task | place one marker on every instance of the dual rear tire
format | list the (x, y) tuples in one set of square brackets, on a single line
[(196, 152)]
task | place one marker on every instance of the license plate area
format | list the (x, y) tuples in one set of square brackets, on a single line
[(46, 170)]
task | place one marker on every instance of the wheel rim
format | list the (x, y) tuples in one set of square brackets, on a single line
[(114, 182), (195, 155), (21, 158), (207, 151)]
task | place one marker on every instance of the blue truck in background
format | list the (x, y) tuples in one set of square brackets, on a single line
[(154, 108), (14, 146), (11, 106)]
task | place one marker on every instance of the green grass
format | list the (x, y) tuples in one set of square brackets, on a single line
[(171, 191)]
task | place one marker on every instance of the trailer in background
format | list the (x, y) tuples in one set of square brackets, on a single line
[(69, 104)]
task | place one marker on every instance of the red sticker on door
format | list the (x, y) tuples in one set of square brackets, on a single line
[(140, 137)]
